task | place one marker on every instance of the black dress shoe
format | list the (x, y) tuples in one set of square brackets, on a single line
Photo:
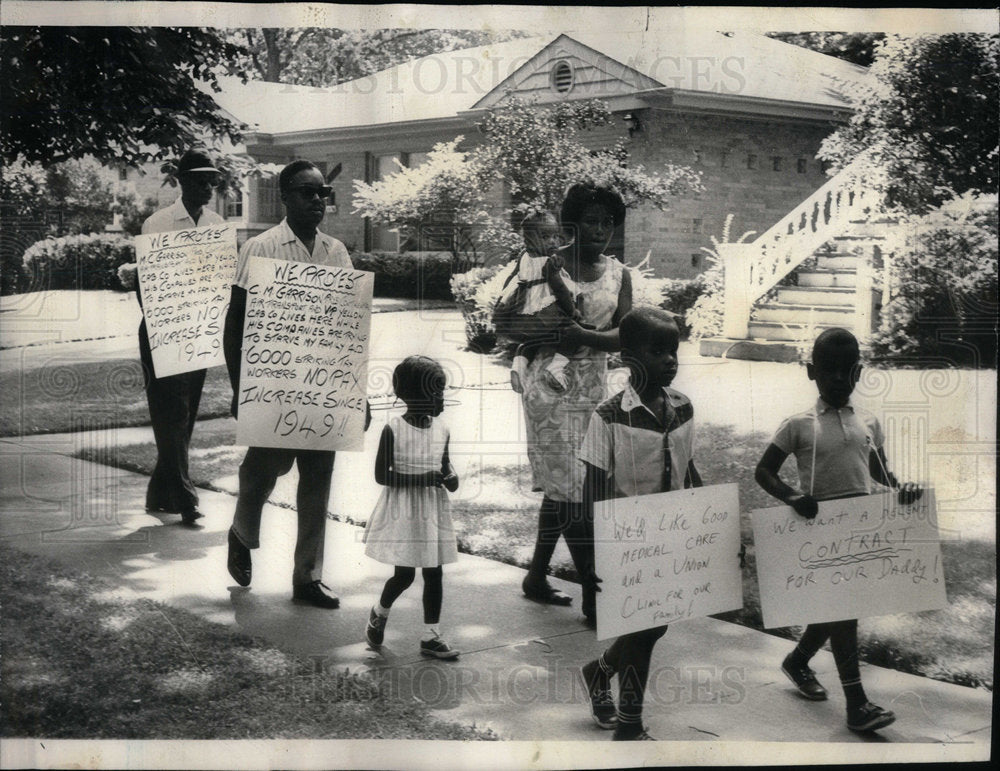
[(316, 593), (190, 516), (239, 560)]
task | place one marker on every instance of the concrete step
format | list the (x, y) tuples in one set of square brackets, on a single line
[(828, 278), (749, 350), (837, 261), (834, 315), (788, 331), (803, 295)]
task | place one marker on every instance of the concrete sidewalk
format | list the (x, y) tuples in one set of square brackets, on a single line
[(712, 681)]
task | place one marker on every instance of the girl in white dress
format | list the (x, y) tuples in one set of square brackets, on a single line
[(411, 526)]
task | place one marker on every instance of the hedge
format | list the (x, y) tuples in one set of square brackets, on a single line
[(87, 261), (420, 275)]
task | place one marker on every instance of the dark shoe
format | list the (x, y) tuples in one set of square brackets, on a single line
[(375, 629), (869, 717), (590, 622), (804, 679), (437, 648), (316, 593), (190, 516), (543, 591), (629, 734), (602, 703), (238, 562)]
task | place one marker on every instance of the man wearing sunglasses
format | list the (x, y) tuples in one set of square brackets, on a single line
[(173, 400), (295, 238)]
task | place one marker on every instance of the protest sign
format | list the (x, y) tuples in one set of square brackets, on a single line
[(186, 277), (666, 557), (867, 556), (304, 368)]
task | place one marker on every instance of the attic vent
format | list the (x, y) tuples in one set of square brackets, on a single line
[(562, 77)]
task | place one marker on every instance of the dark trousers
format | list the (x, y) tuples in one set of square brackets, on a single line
[(173, 407), (259, 472), (629, 657)]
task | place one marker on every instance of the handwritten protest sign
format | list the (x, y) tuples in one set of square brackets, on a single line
[(305, 356), (185, 277), (867, 556), (666, 557)]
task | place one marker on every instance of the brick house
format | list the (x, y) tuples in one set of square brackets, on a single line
[(746, 111)]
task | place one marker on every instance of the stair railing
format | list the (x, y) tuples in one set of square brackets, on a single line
[(754, 268)]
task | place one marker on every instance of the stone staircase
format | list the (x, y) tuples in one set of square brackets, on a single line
[(819, 267), (823, 295)]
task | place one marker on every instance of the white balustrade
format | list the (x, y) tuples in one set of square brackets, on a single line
[(753, 269)]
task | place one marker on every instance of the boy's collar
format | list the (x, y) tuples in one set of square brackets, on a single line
[(631, 400), (822, 406)]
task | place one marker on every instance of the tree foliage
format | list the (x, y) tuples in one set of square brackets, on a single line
[(123, 95), (929, 117), (854, 47), (314, 56)]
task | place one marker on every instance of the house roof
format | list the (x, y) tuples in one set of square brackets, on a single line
[(445, 85), (436, 86), (738, 63)]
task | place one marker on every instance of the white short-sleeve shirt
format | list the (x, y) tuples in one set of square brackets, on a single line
[(176, 217), (280, 243)]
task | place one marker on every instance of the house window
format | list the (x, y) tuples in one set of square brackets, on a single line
[(724, 159), (802, 165), (123, 174), (751, 161), (695, 260), (696, 225), (562, 77), (234, 205), (416, 159), (776, 163), (697, 155), (269, 199)]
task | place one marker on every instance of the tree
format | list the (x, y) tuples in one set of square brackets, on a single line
[(537, 153), (151, 101), (854, 47), (319, 57), (928, 116)]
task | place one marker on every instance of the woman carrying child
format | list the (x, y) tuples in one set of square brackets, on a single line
[(411, 526), (556, 417)]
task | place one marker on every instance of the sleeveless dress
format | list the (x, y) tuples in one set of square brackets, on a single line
[(411, 526), (556, 422)]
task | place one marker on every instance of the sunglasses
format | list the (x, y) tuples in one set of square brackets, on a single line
[(308, 191)]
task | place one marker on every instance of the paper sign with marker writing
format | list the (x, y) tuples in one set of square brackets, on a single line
[(186, 278), (304, 368), (867, 556), (666, 557)]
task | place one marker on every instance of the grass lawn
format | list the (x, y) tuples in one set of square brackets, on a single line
[(79, 663), (953, 644), (95, 395)]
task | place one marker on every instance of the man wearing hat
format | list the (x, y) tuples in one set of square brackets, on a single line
[(173, 400)]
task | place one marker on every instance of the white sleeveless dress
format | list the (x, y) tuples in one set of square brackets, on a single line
[(411, 526)]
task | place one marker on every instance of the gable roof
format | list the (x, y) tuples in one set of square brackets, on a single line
[(738, 66)]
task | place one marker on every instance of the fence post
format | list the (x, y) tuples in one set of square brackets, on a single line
[(736, 289)]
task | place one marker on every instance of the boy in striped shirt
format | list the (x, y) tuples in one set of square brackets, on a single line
[(639, 442)]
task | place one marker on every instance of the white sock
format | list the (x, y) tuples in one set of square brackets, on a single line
[(380, 611), (430, 632)]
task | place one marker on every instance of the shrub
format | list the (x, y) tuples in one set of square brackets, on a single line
[(415, 275), (679, 297), (79, 262), (944, 275), (476, 291)]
